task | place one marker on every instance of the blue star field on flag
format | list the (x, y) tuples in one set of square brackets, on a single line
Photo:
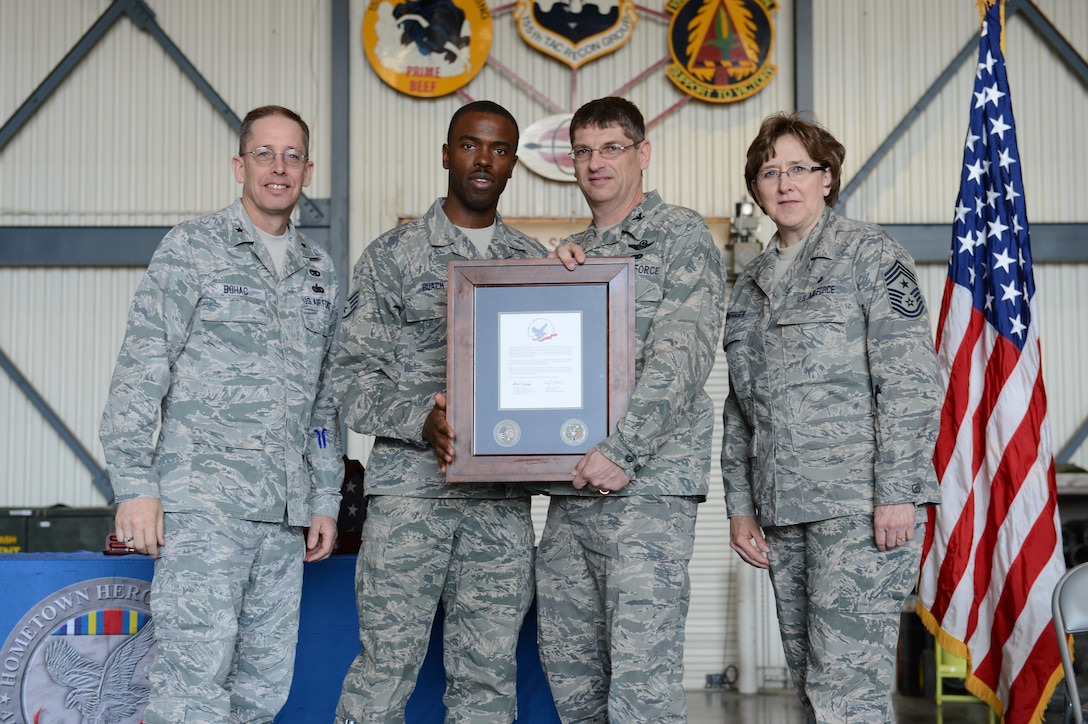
[(991, 252)]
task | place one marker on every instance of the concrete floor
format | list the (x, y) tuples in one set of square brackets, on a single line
[(782, 707)]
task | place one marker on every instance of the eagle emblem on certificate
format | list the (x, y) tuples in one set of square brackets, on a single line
[(721, 49), (427, 48), (575, 31)]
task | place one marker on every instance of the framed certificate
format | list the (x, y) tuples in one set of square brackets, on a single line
[(540, 364)]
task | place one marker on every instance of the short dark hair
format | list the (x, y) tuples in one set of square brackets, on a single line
[(246, 131), (490, 107), (610, 111), (824, 148)]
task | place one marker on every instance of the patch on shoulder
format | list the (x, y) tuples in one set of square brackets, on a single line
[(903, 292)]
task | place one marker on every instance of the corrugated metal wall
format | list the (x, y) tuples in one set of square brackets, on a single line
[(128, 140)]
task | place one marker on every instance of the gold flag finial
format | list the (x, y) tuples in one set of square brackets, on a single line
[(983, 6)]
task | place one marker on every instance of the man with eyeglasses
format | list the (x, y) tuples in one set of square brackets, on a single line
[(425, 541), (612, 564), (221, 435)]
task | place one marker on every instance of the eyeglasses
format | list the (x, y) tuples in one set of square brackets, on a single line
[(797, 173), (581, 154), (266, 156)]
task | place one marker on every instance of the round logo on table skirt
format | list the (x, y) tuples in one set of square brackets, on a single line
[(81, 654)]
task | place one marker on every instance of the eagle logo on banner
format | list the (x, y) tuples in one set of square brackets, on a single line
[(427, 48), (721, 48), (575, 31)]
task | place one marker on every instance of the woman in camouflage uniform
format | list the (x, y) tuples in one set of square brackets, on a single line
[(830, 425)]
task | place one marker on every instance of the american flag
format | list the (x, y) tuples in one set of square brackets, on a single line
[(993, 551)]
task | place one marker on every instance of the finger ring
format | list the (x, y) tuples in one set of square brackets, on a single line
[(126, 539), (602, 491)]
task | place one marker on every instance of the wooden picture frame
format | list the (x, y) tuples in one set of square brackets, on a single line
[(540, 364)]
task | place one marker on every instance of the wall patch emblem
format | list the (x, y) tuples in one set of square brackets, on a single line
[(721, 49), (427, 48), (545, 146), (81, 654), (575, 31)]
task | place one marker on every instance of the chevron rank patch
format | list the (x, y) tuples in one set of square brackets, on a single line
[(903, 292)]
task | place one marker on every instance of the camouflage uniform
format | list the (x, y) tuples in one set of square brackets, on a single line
[(832, 410), (612, 572), (468, 545), (233, 359)]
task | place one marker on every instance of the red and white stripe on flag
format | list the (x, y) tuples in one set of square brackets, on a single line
[(992, 553)]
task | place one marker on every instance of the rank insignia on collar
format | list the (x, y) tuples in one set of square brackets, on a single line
[(575, 31), (721, 49)]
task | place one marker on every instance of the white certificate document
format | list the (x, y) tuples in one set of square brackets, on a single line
[(540, 360)]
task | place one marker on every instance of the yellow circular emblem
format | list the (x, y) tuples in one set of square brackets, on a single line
[(427, 48)]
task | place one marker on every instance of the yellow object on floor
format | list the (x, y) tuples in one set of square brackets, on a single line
[(950, 666)]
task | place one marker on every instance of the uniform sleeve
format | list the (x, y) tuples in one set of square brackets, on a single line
[(324, 446), (903, 368), (158, 326), (679, 349), (736, 459), (372, 401)]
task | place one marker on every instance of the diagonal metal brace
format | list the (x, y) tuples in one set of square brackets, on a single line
[(144, 18), (101, 480)]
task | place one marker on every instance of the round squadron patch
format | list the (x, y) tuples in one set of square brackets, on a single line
[(574, 432), (544, 147), (507, 433), (427, 48), (721, 49)]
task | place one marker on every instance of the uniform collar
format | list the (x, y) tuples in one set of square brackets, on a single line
[(638, 224), (444, 233), (817, 245), (299, 248)]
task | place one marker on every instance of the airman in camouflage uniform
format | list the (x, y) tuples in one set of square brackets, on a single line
[(469, 546), (830, 425), (228, 349), (612, 566)]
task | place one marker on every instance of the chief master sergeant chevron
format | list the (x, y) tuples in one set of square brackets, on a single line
[(228, 351)]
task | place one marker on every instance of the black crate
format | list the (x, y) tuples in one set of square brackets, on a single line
[(13, 523), (62, 529)]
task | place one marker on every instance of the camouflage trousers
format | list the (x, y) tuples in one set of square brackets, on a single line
[(225, 600), (473, 555), (839, 601), (612, 598)]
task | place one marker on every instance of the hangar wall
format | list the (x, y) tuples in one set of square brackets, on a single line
[(127, 140)]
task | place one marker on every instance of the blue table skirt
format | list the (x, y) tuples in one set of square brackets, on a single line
[(328, 633)]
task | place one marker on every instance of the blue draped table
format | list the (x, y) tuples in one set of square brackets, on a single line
[(328, 633)]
